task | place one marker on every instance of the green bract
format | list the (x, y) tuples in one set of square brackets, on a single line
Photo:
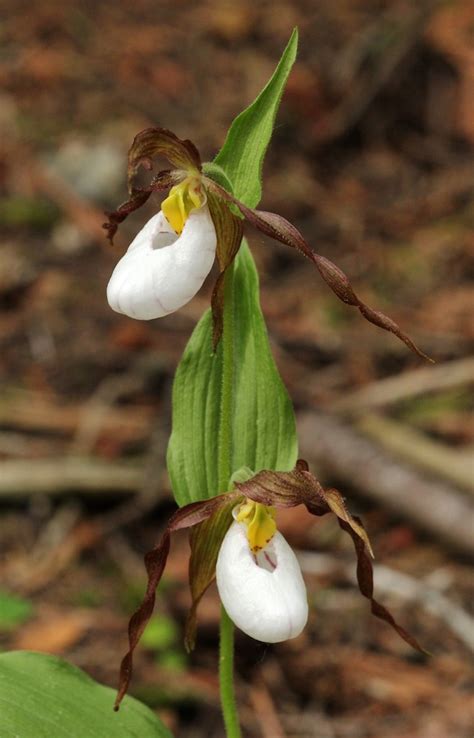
[(260, 429), (244, 149)]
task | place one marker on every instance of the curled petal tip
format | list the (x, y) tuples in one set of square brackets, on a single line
[(264, 594)]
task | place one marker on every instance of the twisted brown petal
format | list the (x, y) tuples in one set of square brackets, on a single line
[(155, 562), (365, 579), (282, 230)]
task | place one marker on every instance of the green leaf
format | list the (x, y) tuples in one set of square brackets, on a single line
[(230, 408), (244, 149), (42, 696)]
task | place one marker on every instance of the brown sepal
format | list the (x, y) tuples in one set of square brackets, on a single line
[(229, 232), (282, 230), (152, 142), (300, 487), (138, 197), (155, 562)]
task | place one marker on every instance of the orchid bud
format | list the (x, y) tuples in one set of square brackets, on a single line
[(162, 271), (263, 592)]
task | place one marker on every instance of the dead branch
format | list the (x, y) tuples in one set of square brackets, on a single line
[(410, 445), (339, 451), (58, 476), (32, 411), (409, 384)]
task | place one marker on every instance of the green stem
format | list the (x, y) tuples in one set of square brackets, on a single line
[(224, 451), (226, 655), (226, 677)]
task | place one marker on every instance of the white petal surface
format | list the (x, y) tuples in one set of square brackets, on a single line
[(267, 603), (161, 272)]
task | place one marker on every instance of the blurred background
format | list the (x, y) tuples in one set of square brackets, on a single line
[(372, 158)]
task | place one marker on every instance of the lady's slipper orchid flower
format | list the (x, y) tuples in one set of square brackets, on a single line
[(166, 263), (158, 275), (261, 586), (258, 577)]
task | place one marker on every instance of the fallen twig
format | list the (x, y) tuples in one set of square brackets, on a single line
[(409, 384), (338, 450), (32, 411), (58, 476), (409, 444)]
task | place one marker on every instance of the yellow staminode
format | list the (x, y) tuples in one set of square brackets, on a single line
[(260, 522), (183, 198)]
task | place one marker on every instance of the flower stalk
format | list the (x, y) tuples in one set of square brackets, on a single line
[(226, 677), (226, 632)]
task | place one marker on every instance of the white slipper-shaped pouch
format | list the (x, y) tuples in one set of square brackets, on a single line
[(264, 593), (161, 271)]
